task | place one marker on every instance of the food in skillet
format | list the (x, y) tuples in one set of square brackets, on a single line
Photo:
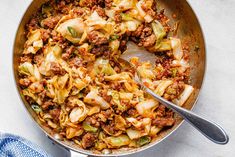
[(71, 77)]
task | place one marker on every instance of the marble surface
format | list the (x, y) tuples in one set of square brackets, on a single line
[(216, 102)]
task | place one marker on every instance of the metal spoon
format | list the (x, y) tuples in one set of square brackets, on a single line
[(209, 129)]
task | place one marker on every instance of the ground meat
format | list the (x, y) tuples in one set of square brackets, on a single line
[(51, 21), (144, 36), (138, 31), (79, 11), (93, 120), (55, 113), (104, 94), (97, 38), (88, 140), (164, 20), (165, 61), (38, 59), (108, 3), (147, 31), (117, 17), (90, 3), (174, 90), (109, 128), (148, 41), (62, 7), (101, 50), (45, 34), (116, 86), (57, 69), (33, 24), (161, 111), (107, 113), (25, 82), (26, 58), (75, 62), (47, 104), (99, 10), (68, 52), (163, 122), (132, 112), (123, 43), (149, 11), (58, 38)]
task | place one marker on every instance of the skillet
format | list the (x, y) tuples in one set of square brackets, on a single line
[(189, 31)]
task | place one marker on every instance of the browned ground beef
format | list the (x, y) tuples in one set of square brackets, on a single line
[(95, 38), (88, 140)]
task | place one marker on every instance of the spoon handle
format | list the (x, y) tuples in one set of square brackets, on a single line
[(209, 129)]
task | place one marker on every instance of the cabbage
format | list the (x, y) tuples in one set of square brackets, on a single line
[(142, 13), (110, 13), (61, 87), (87, 127), (143, 140), (114, 45), (159, 32), (116, 142), (53, 54), (93, 110), (99, 145), (145, 71), (61, 82), (188, 90), (94, 99), (162, 86), (34, 42), (73, 132), (181, 65), (133, 134), (79, 84), (177, 49), (126, 96), (146, 108), (36, 87), (133, 13), (30, 70), (165, 45), (120, 122), (154, 130), (94, 20), (129, 26), (33, 36), (126, 17), (146, 122), (79, 113), (29, 93), (102, 66), (123, 76), (51, 124), (132, 25), (116, 99), (26, 69), (72, 29), (36, 108), (122, 5)]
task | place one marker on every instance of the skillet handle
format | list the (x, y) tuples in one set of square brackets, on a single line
[(76, 154)]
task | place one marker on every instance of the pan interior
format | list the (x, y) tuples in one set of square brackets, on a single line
[(189, 31)]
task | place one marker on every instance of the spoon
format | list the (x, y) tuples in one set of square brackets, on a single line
[(209, 129)]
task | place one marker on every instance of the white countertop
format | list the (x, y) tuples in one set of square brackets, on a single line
[(216, 102)]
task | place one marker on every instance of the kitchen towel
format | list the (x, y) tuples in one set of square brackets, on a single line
[(16, 146)]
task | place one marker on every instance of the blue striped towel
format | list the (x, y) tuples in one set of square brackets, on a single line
[(16, 146)]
